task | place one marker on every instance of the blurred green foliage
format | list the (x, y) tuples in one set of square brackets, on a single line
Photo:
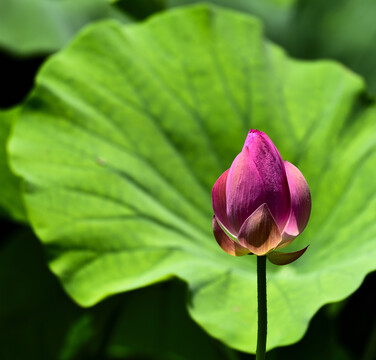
[(40, 322), (31, 27), (34, 312), (11, 202), (344, 30)]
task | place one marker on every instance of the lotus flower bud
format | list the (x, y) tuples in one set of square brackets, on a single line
[(261, 203)]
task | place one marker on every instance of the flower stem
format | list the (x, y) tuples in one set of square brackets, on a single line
[(262, 308)]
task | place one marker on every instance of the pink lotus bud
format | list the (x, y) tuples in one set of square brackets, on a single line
[(261, 203)]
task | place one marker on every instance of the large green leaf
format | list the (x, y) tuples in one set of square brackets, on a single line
[(129, 127), (343, 29), (11, 202), (43, 26)]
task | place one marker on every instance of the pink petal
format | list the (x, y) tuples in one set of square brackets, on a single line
[(219, 202), (257, 176), (271, 168), (252, 134), (260, 233), (279, 258), (244, 190), (226, 243), (300, 204)]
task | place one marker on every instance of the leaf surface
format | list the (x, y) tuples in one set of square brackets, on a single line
[(130, 126)]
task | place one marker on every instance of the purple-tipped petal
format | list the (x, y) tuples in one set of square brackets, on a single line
[(244, 190), (252, 134), (226, 243), (260, 233), (271, 168), (219, 202), (300, 204), (257, 176), (278, 258)]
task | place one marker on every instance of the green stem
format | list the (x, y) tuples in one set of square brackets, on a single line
[(262, 308)]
